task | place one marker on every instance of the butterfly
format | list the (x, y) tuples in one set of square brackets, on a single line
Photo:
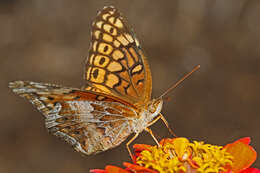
[(116, 100)]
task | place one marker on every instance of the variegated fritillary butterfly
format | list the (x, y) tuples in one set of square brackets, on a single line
[(116, 100)]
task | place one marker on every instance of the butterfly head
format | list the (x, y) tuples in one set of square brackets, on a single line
[(155, 106)]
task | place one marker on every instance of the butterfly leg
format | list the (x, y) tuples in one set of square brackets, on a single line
[(167, 125), (151, 133), (129, 142), (154, 121)]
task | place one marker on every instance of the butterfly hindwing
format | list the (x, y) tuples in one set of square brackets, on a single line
[(116, 64), (91, 123)]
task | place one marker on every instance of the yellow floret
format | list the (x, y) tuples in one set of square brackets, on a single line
[(180, 156)]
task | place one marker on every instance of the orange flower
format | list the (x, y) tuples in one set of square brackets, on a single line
[(179, 155), (243, 155)]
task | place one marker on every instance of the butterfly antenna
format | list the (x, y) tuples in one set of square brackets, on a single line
[(181, 80)]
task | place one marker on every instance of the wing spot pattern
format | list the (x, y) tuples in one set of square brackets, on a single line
[(95, 46), (88, 73), (102, 88), (105, 16), (109, 29), (112, 20), (130, 59), (122, 86), (101, 98), (119, 23), (124, 75), (129, 38), (107, 38), (95, 73), (137, 69), (114, 66), (99, 24), (116, 43), (101, 61), (126, 88), (98, 75), (137, 42), (112, 80), (105, 48), (97, 34), (124, 63), (123, 40), (117, 55), (91, 59), (133, 53), (140, 82)]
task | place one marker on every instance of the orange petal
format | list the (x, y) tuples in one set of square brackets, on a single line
[(137, 168), (245, 140), (244, 155), (97, 171), (141, 147), (166, 140), (138, 148), (114, 169), (251, 170)]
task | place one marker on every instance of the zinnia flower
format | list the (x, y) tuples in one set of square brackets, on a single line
[(179, 155)]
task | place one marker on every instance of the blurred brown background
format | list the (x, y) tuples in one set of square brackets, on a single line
[(47, 41)]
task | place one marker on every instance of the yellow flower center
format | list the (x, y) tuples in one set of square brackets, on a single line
[(180, 156)]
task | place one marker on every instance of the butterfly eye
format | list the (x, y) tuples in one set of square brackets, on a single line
[(151, 108), (109, 29), (155, 105)]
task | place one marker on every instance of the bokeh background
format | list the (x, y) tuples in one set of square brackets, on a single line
[(47, 41)]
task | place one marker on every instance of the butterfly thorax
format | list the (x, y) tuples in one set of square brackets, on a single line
[(147, 114)]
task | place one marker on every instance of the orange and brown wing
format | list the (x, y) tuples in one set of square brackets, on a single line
[(116, 64), (91, 123)]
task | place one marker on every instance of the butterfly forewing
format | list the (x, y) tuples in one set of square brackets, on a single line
[(116, 64), (79, 117)]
